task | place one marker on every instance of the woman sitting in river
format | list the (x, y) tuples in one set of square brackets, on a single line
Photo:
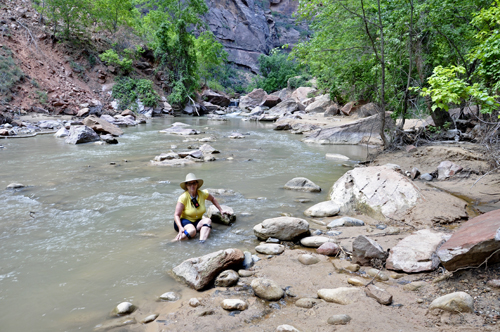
[(188, 217)]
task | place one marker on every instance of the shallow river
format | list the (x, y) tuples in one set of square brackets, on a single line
[(86, 235)]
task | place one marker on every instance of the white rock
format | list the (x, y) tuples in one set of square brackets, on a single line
[(323, 209), (234, 304), (270, 249), (314, 241), (286, 328), (341, 295), (334, 156), (124, 308), (454, 302)]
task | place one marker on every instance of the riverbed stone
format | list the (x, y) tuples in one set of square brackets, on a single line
[(100, 125), (323, 209), (308, 259), (447, 169), (283, 228), (379, 294), (149, 319), (234, 304), (15, 186), (236, 136), (179, 130), (227, 278), (245, 273), (365, 249), (416, 252), (355, 282), (194, 302), (314, 241), (381, 192), (328, 249), (267, 289), (270, 249), (339, 319), (413, 286), (207, 149), (286, 328), (81, 134), (377, 274), (124, 308), (454, 302), (342, 264), (167, 156), (200, 271), (62, 132), (253, 99), (306, 302), (302, 184), (346, 222), (341, 295), (170, 296), (115, 323), (226, 219), (475, 241)]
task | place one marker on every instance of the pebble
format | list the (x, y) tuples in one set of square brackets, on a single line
[(170, 296), (341, 264), (381, 226), (124, 308), (245, 273), (149, 318), (333, 233), (377, 274), (341, 295), (267, 289), (392, 231), (286, 328), (270, 249), (306, 302), (272, 240), (355, 282), (328, 249), (339, 319), (307, 259), (234, 304), (495, 283), (194, 302)]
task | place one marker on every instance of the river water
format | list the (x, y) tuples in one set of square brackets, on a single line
[(87, 234)]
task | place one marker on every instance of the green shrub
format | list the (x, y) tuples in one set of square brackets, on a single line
[(276, 69), (10, 74), (124, 63), (298, 81), (128, 90)]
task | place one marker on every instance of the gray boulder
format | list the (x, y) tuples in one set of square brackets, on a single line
[(267, 289), (302, 184), (365, 249), (283, 228), (200, 271), (320, 104), (81, 134), (227, 278), (99, 125), (323, 209), (179, 130), (253, 99), (226, 219), (62, 132)]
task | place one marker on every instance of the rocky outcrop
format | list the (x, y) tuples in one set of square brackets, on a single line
[(200, 271), (473, 243), (381, 192), (416, 253), (253, 99)]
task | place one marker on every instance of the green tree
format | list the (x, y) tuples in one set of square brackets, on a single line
[(210, 56), (111, 14), (276, 69), (73, 14)]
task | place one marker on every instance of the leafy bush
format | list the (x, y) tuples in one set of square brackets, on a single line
[(10, 73), (123, 63), (128, 90), (276, 69), (298, 81)]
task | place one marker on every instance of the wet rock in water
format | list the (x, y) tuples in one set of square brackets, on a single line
[(236, 136), (365, 249), (495, 283), (339, 319), (267, 289), (49, 124), (413, 286), (286, 328), (417, 252), (109, 139), (234, 304), (302, 184), (273, 240), (283, 228), (167, 156), (270, 249), (149, 319), (124, 308), (323, 209), (247, 260), (227, 278), (315, 241), (194, 302), (226, 219), (115, 323), (200, 271), (100, 125), (346, 222), (379, 294), (221, 192), (307, 259), (179, 130), (454, 302), (382, 191), (207, 149), (337, 157), (426, 177), (81, 134), (341, 295), (377, 274), (447, 169), (170, 296), (306, 302), (62, 132), (328, 249), (342, 264), (15, 186), (473, 243), (355, 282)]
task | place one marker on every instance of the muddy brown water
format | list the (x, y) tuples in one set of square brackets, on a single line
[(87, 234)]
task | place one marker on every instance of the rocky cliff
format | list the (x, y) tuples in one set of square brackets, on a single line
[(248, 28)]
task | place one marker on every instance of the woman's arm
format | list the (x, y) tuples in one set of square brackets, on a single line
[(177, 219), (214, 202)]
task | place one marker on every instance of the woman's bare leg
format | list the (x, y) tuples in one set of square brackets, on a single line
[(204, 230)]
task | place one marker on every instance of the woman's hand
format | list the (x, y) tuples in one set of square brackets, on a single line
[(180, 235)]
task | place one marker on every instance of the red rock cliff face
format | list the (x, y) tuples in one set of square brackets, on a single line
[(248, 28)]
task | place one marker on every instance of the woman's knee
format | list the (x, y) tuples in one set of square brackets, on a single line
[(191, 230)]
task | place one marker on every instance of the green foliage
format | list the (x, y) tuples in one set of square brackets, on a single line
[(128, 90), (10, 74), (74, 15), (112, 58), (210, 56), (276, 69), (42, 97), (298, 81), (111, 14)]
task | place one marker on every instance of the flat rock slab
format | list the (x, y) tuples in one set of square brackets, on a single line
[(200, 271), (270, 249), (380, 192), (417, 252), (283, 228), (473, 243)]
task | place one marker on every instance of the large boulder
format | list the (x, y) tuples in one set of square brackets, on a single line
[(367, 110), (227, 219), (215, 98), (81, 134), (302, 93), (286, 107), (100, 125), (253, 99), (200, 271), (454, 302), (320, 104), (283, 228), (271, 101), (363, 131), (179, 130), (473, 243), (381, 192), (416, 253), (302, 184)]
